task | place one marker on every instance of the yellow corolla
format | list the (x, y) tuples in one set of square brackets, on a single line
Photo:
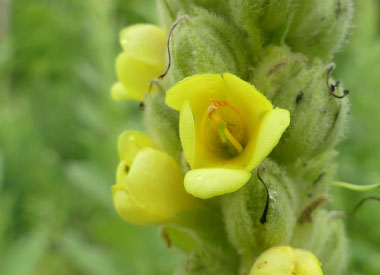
[(285, 260), (149, 183), (227, 128), (143, 58)]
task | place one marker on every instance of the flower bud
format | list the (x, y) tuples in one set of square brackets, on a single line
[(206, 43), (326, 237), (252, 229), (285, 260), (317, 117), (143, 58), (268, 15), (319, 27), (168, 10), (149, 183)]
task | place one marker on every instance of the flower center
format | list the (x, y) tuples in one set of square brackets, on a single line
[(223, 128)]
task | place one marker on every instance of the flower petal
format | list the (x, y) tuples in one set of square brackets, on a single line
[(262, 141), (122, 172), (210, 182), (196, 152), (135, 75), (275, 261), (269, 133), (306, 263), (197, 89), (156, 181), (118, 92), (246, 96), (128, 208), (146, 43), (130, 143), (187, 132)]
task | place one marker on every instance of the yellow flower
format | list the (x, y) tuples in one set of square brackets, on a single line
[(227, 128), (142, 59), (149, 183), (284, 260)]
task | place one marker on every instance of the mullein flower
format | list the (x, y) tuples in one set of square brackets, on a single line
[(149, 183), (285, 260), (143, 58), (227, 128)]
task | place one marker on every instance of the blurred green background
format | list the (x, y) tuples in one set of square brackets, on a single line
[(58, 130)]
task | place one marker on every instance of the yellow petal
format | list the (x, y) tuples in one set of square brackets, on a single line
[(135, 75), (246, 96), (197, 90), (155, 180), (187, 132), (196, 152), (118, 92), (306, 263), (210, 182), (130, 143), (146, 43), (128, 208), (275, 261), (269, 133), (122, 172)]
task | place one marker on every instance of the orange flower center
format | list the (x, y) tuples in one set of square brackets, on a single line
[(223, 128)]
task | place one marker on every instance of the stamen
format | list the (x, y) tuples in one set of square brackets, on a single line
[(224, 134), (233, 140), (223, 127), (221, 131)]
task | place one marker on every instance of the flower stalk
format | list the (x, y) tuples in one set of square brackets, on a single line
[(240, 144)]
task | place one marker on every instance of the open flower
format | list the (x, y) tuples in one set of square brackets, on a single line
[(149, 183), (285, 260), (227, 128), (142, 59)]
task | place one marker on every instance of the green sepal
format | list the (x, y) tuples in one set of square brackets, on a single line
[(263, 18), (204, 262), (203, 228), (206, 43), (243, 211), (324, 236), (317, 118), (161, 123), (319, 27)]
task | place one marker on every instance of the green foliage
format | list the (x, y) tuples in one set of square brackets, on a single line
[(57, 143)]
